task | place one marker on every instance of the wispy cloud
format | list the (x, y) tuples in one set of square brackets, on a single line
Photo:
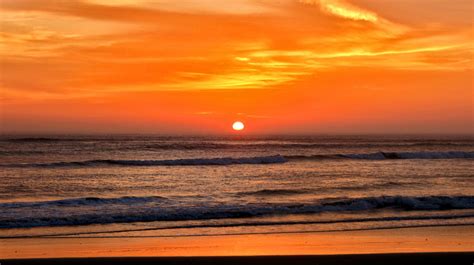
[(345, 10), (194, 45)]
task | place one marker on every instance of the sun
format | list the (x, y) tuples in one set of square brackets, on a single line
[(238, 126)]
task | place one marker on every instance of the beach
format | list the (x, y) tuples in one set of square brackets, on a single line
[(401, 258), (299, 248)]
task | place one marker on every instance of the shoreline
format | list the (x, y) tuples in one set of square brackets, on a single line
[(88, 235), (395, 258), (453, 239)]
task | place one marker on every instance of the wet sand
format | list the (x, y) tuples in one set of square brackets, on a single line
[(387, 259), (444, 243)]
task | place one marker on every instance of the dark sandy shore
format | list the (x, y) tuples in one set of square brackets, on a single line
[(403, 258)]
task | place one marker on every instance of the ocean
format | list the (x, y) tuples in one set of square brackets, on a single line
[(160, 186)]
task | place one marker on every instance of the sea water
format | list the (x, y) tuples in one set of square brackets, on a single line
[(135, 186)]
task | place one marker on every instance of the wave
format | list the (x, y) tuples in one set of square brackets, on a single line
[(395, 220), (86, 211), (390, 155), (274, 192), (87, 201), (276, 159), (413, 155)]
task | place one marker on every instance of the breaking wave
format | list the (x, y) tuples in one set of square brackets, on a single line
[(86, 211), (413, 155), (87, 201), (274, 159), (173, 162), (390, 155)]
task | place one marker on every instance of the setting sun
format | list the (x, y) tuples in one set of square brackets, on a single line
[(238, 126)]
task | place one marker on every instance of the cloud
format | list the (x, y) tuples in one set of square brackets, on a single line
[(194, 6), (343, 9), (167, 59), (346, 10), (86, 46)]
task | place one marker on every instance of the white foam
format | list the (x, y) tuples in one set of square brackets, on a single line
[(85, 211)]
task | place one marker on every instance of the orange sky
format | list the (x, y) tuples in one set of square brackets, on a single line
[(194, 66)]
